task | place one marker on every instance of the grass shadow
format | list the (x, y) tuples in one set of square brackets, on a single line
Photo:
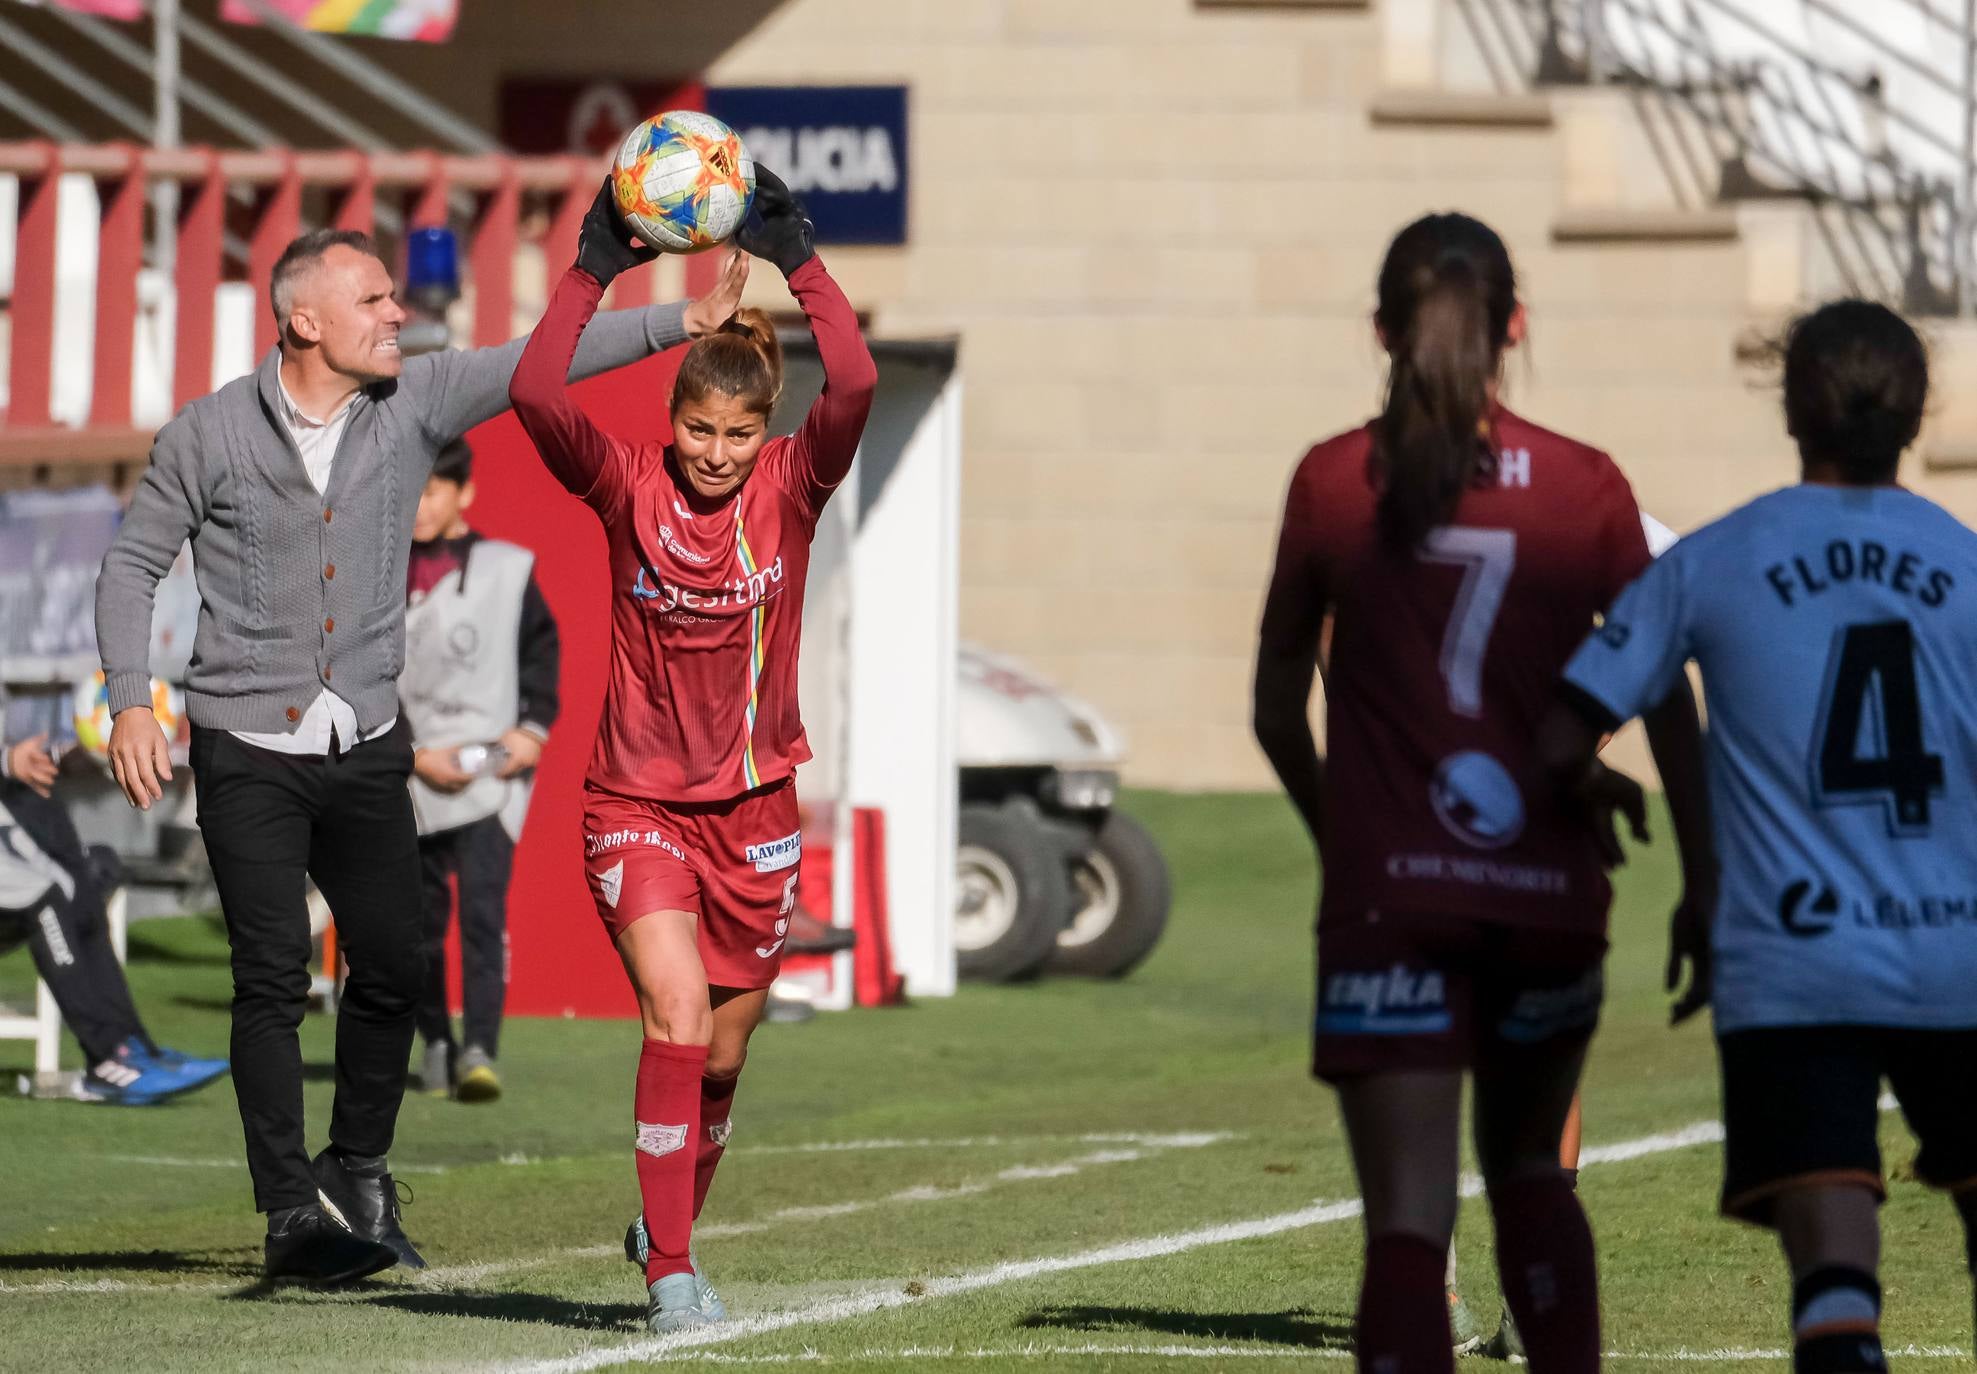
[(125, 1261), (1298, 1327), (538, 1308)]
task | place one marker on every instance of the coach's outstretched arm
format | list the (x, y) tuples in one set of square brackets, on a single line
[(460, 389)]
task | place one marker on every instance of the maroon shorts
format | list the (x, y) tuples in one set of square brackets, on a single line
[(1415, 992), (731, 863)]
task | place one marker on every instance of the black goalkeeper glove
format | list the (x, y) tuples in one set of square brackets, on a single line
[(605, 246), (777, 228)]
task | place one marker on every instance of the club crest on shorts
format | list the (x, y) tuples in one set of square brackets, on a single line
[(719, 1132), (656, 1140), (776, 855), (612, 882)]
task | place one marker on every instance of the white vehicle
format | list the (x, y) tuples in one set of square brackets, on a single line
[(1051, 878)]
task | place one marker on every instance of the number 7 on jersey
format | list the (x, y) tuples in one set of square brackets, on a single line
[(1486, 558)]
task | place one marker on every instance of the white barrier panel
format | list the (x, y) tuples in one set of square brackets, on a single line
[(878, 669)]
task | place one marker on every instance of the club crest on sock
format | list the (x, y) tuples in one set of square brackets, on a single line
[(659, 1140)]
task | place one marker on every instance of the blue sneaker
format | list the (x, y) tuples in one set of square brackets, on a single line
[(132, 1077), (200, 1071)]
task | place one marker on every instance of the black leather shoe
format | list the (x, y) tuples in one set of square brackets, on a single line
[(306, 1246), (368, 1200)]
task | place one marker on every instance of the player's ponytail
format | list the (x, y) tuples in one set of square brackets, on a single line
[(1447, 292), (743, 360), (1856, 384)]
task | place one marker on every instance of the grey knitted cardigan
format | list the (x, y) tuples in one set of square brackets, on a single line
[(302, 590)]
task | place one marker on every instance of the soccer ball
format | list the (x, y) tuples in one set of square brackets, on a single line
[(93, 719), (683, 181)]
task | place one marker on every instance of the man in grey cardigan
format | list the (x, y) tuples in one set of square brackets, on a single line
[(297, 486)]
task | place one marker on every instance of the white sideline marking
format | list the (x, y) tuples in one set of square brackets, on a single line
[(843, 1309), (460, 1275), (1172, 1140), (180, 1162), (1151, 1247), (116, 1286), (1219, 1352)]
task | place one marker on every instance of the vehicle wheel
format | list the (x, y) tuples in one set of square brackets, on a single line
[(1012, 894), (1123, 896)]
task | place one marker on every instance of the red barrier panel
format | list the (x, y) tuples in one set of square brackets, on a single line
[(561, 959), (31, 321), (201, 245), (118, 258)]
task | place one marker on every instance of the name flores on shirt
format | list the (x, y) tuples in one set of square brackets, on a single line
[(732, 597), (1859, 560)]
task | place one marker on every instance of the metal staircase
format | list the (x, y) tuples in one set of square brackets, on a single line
[(1865, 112)]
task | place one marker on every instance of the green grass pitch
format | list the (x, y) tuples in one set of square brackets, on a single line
[(1066, 1175)]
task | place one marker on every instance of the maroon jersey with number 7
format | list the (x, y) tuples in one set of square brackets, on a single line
[(1443, 661)]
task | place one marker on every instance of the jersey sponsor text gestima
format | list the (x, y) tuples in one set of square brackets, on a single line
[(1836, 632)]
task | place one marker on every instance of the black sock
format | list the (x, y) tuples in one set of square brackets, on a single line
[(1836, 1320)]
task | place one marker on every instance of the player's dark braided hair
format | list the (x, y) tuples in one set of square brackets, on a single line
[(1856, 383), (1447, 292)]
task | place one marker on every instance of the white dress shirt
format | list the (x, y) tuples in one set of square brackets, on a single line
[(329, 717)]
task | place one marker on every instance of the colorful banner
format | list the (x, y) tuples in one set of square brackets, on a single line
[(103, 9), (421, 21)]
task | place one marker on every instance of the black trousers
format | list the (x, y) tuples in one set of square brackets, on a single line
[(70, 935), (269, 819), (482, 856)]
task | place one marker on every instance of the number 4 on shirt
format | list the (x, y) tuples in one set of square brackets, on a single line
[(1868, 745)]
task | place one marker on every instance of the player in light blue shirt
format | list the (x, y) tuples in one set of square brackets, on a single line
[(1835, 627)]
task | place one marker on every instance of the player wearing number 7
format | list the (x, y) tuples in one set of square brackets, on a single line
[(1462, 552), (1835, 629), (691, 839)]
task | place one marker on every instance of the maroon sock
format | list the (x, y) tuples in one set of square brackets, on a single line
[(717, 1099), (1544, 1251), (1403, 1317), (667, 1112)]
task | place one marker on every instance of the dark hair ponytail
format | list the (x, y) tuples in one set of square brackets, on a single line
[(1447, 292), (742, 359), (1856, 383)]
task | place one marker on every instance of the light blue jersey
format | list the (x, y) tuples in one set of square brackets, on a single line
[(1836, 631)]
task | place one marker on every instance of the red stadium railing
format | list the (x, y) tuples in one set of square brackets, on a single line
[(429, 185)]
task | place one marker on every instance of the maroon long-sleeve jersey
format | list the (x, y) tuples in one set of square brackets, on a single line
[(700, 702)]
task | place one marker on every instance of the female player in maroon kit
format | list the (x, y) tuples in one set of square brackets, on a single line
[(1461, 553), (691, 836)]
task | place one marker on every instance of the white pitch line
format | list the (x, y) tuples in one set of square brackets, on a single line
[(116, 1286), (1170, 1140), (181, 1162), (896, 1294), (461, 1275), (843, 1309), (921, 1354)]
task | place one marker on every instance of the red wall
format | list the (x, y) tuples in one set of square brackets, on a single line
[(562, 962)]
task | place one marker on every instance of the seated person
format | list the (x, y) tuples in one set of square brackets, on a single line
[(52, 897)]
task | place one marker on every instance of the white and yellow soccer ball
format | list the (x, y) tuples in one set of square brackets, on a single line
[(93, 719), (683, 181)]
